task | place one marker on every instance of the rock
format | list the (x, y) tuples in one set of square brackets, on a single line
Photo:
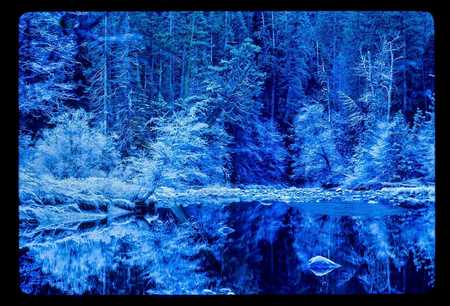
[(151, 219), (264, 203), (123, 204), (368, 186), (86, 206), (208, 292), (329, 185), (23, 251), (225, 230), (321, 266), (226, 291), (151, 200), (412, 203), (208, 262), (151, 284)]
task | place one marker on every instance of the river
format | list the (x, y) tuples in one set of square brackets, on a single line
[(236, 248)]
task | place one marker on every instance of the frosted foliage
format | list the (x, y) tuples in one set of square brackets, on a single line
[(184, 153), (316, 158), (74, 149)]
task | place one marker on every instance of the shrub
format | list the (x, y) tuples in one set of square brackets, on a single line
[(74, 149)]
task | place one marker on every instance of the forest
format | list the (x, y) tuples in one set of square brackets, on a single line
[(304, 99), (184, 152)]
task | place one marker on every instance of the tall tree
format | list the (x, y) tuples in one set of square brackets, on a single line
[(46, 69)]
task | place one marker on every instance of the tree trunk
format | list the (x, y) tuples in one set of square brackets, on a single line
[(128, 66), (105, 77), (273, 32), (317, 58), (272, 104), (263, 21), (211, 48), (171, 93), (391, 80), (189, 63), (182, 72), (160, 73), (226, 31), (405, 90), (372, 89)]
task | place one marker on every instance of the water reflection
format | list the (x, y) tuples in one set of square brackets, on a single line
[(242, 248)]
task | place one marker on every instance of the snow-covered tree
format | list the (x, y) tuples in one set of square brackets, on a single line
[(184, 153), (73, 148), (422, 145), (315, 156), (397, 152), (235, 84), (46, 68), (134, 70), (390, 152)]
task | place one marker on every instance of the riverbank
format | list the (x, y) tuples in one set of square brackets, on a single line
[(401, 196), (47, 200), (238, 240)]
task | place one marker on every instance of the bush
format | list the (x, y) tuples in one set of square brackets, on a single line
[(139, 169), (74, 149)]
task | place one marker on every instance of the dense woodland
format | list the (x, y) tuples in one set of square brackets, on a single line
[(230, 98)]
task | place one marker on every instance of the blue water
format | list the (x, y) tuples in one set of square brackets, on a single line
[(238, 248)]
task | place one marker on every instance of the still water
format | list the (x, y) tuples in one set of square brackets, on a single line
[(239, 248)]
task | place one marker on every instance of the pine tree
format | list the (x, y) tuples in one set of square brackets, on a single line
[(422, 144), (46, 68), (235, 84), (394, 164)]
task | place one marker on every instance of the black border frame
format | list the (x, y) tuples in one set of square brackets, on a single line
[(435, 7)]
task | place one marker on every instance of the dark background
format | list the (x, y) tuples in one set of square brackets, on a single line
[(10, 118)]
